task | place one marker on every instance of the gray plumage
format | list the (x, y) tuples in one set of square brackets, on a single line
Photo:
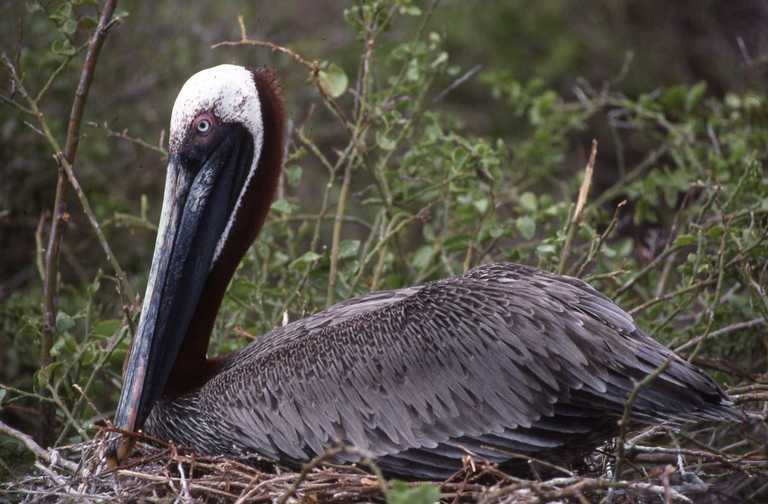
[(504, 359)]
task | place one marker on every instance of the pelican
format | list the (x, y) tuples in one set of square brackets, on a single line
[(501, 361)]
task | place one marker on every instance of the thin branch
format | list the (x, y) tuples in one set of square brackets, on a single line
[(581, 202), (123, 135), (716, 298), (55, 74), (458, 82), (41, 453), (314, 67), (598, 244), (627, 415), (671, 295), (749, 324), (336, 237)]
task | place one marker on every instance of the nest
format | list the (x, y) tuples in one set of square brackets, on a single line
[(719, 464)]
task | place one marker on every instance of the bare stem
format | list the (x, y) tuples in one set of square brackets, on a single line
[(337, 225), (581, 202), (627, 415), (35, 448)]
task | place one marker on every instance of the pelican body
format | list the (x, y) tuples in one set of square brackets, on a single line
[(503, 361)]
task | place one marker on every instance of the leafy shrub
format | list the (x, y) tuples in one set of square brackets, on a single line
[(384, 186)]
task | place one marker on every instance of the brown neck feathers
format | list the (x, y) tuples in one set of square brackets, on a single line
[(192, 368)]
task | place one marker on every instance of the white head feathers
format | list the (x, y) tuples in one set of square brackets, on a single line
[(228, 92)]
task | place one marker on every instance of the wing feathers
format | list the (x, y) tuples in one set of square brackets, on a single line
[(505, 358)]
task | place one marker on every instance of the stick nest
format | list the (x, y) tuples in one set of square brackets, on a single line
[(719, 464)]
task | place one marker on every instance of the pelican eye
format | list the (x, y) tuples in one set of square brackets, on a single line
[(203, 126)]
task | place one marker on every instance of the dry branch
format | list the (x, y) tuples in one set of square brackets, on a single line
[(41, 453), (581, 202)]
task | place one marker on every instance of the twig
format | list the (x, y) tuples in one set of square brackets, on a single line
[(314, 67), (753, 397), (35, 448), (54, 75), (670, 295), (458, 82), (595, 249), (306, 468), (626, 416), (336, 237), (124, 287), (123, 135), (244, 40), (39, 248), (581, 202), (738, 326), (716, 298), (648, 267)]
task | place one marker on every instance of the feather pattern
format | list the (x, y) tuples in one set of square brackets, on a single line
[(504, 359)]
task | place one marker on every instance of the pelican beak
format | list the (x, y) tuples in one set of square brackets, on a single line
[(202, 187)]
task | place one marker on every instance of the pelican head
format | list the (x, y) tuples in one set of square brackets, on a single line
[(224, 161)]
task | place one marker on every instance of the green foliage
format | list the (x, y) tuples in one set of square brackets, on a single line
[(400, 492), (389, 185)]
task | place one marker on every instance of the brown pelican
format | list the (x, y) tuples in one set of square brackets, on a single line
[(502, 360)]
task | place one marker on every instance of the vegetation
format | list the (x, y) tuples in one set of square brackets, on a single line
[(408, 161)]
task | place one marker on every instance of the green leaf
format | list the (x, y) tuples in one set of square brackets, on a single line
[(441, 59), (88, 22), (684, 240), (293, 175), (401, 492), (106, 328), (333, 80), (43, 375), (674, 97), (608, 251), (456, 243), (90, 355), (423, 257), (2, 395), (62, 13), (33, 7), (282, 206), (60, 345), (695, 94), (410, 10), (733, 101), (69, 26), (715, 231), (241, 288), (546, 249), (62, 47), (348, 248), (481, 205), (384, 142), (64, 322), (307, 258), (529, 202), (527, 226)]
